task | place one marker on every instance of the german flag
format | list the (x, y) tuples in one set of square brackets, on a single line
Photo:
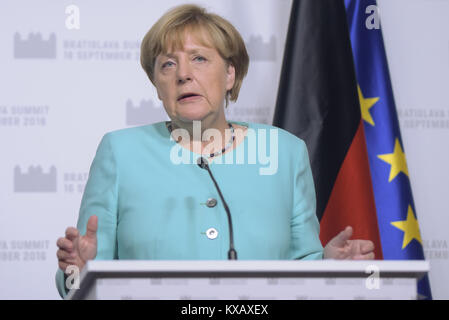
[(318, 102)]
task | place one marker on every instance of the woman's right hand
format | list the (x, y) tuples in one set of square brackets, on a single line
[(75, 249)]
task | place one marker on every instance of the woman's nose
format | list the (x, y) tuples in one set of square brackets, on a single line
[(184, 72)]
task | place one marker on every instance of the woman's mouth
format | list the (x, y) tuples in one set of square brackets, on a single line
[(187, 97)]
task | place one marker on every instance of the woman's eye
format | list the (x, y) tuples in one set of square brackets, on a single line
[(199, 59), (167, 64)]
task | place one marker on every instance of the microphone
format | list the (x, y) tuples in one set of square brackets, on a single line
[(232, 254)]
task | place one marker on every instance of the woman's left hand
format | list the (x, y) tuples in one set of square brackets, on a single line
[(341, 248)]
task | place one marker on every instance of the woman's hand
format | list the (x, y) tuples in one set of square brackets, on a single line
[(341, 248), (75, 249)]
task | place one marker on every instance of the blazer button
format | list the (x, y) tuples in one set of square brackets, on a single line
[(212, 233), (211, 202)]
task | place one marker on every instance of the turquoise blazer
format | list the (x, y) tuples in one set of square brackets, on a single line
[(150, 207)]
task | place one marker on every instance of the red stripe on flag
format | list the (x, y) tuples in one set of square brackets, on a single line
[(351, 202)]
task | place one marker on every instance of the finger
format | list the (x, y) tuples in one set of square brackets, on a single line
[(71, 233), (64, 255), (92, 226), (369, 256), (63, 265), (348, 230), (65, 244), (342, 237), (367, 247)]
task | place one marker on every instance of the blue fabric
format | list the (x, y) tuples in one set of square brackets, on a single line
[(393, 198), (150, 208)]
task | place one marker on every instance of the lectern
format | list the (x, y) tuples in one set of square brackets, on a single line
[(250, 280)]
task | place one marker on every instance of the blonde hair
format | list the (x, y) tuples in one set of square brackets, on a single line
[(168, 33)]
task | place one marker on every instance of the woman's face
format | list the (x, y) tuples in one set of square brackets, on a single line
[(192, 82)]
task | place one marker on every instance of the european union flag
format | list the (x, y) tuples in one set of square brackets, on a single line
[(396, 214)]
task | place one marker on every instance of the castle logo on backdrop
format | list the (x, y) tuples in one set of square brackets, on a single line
[(259, 50), (35, 180), (34, 47), (145, 113)]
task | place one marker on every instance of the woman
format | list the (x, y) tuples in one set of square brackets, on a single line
[(143, 201)]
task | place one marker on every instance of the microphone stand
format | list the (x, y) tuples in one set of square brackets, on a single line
[(232, 254)]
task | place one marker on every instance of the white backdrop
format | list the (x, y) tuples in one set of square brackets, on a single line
[(61, 89)]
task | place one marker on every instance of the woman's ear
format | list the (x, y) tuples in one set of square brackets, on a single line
[(230, 77)]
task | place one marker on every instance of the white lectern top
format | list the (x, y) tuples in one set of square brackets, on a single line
[(136, 273)]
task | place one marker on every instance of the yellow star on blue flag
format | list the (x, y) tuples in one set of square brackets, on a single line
[(365, 105), (396, 160), (410, 227)]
